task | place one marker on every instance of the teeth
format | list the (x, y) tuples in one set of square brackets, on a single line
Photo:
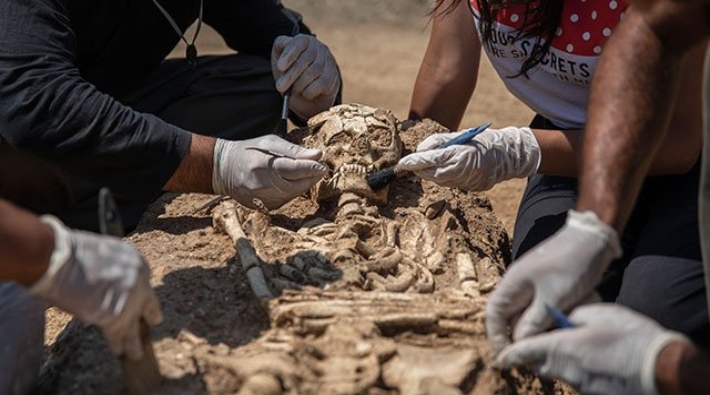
[(354, 168)]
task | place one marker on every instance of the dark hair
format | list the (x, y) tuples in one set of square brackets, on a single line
[(540, 21)]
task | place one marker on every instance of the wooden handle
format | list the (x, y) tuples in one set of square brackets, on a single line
[(142, 377)]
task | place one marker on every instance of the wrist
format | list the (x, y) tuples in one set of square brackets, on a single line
[(61, 253), (589, 222), (26, 245), (524, 149), (194, 174), (218, 184), (668, 365)]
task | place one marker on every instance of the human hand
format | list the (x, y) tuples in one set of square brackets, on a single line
[(102, 281), (267, 168), (307, 67), (491, 157), (612, 350), (562, 272)]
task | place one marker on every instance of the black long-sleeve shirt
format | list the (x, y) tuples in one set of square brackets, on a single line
[(62, 61)]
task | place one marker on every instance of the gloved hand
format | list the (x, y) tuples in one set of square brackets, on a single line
[(491, 157), (307, 66), (613, 350), (266, 168), (562, 272), (102, 281)]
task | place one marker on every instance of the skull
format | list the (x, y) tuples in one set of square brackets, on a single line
[(355, 140)]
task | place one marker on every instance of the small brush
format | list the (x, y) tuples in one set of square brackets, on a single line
[(381, 178)]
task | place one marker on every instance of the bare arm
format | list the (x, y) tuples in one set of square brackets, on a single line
[(448, 76), (194, 174), (641, 71), (26, 245), (682, 369), (448, 73)]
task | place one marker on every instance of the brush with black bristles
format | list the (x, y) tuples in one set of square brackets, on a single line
[(381, 178)]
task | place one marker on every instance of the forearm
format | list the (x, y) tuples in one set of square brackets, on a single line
[(630, 111), (441, 96), (682, 369), (448, 73), (194, 174), (562, 151), (50, 111), (26, 245)]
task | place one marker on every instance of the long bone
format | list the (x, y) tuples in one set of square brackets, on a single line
[(225, 219)]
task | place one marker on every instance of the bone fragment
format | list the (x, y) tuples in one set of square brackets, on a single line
[(468, 277), (434, 209), (261, 384), (225, 219), (386, 262), (402, 282)]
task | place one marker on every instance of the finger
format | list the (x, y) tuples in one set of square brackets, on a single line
[(299, 169), (292, 75), (295, 68), (292, 51), (605, 314), (277, 49), (523, 353), (315, 70), (152, 313), (435, 140), (327, 85), (279, 146), (550, 355), (309, 75), (508, 300), (132, 342), (114, 339), (451, 173), (425, 160), (534, 320), (292, 189)]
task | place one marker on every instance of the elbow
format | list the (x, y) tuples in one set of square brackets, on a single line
[(678, 158), (687, 161)]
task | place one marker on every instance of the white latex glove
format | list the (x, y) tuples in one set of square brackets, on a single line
[(307, 67), (491, 157), (562, 271), (612, 351), (267, 168), (102, 281)]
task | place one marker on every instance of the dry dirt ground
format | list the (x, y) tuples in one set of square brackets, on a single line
[(213, 321)]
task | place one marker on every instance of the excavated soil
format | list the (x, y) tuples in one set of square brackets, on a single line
[(218, 338), (216, 332)]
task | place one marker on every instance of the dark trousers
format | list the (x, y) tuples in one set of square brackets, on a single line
[(661, 272), (231, 97)]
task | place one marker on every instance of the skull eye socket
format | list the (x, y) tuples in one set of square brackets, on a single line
[(381, 137), (339, 139)]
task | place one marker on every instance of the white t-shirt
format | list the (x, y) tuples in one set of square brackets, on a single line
[(558, 87)]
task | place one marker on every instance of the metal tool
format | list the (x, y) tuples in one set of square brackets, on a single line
[(282, 127)]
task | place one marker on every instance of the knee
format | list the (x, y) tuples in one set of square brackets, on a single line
[(22, 332), (669, 290), (535, 232)]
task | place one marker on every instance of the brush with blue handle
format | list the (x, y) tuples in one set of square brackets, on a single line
[(560, 318), (381, 178)]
